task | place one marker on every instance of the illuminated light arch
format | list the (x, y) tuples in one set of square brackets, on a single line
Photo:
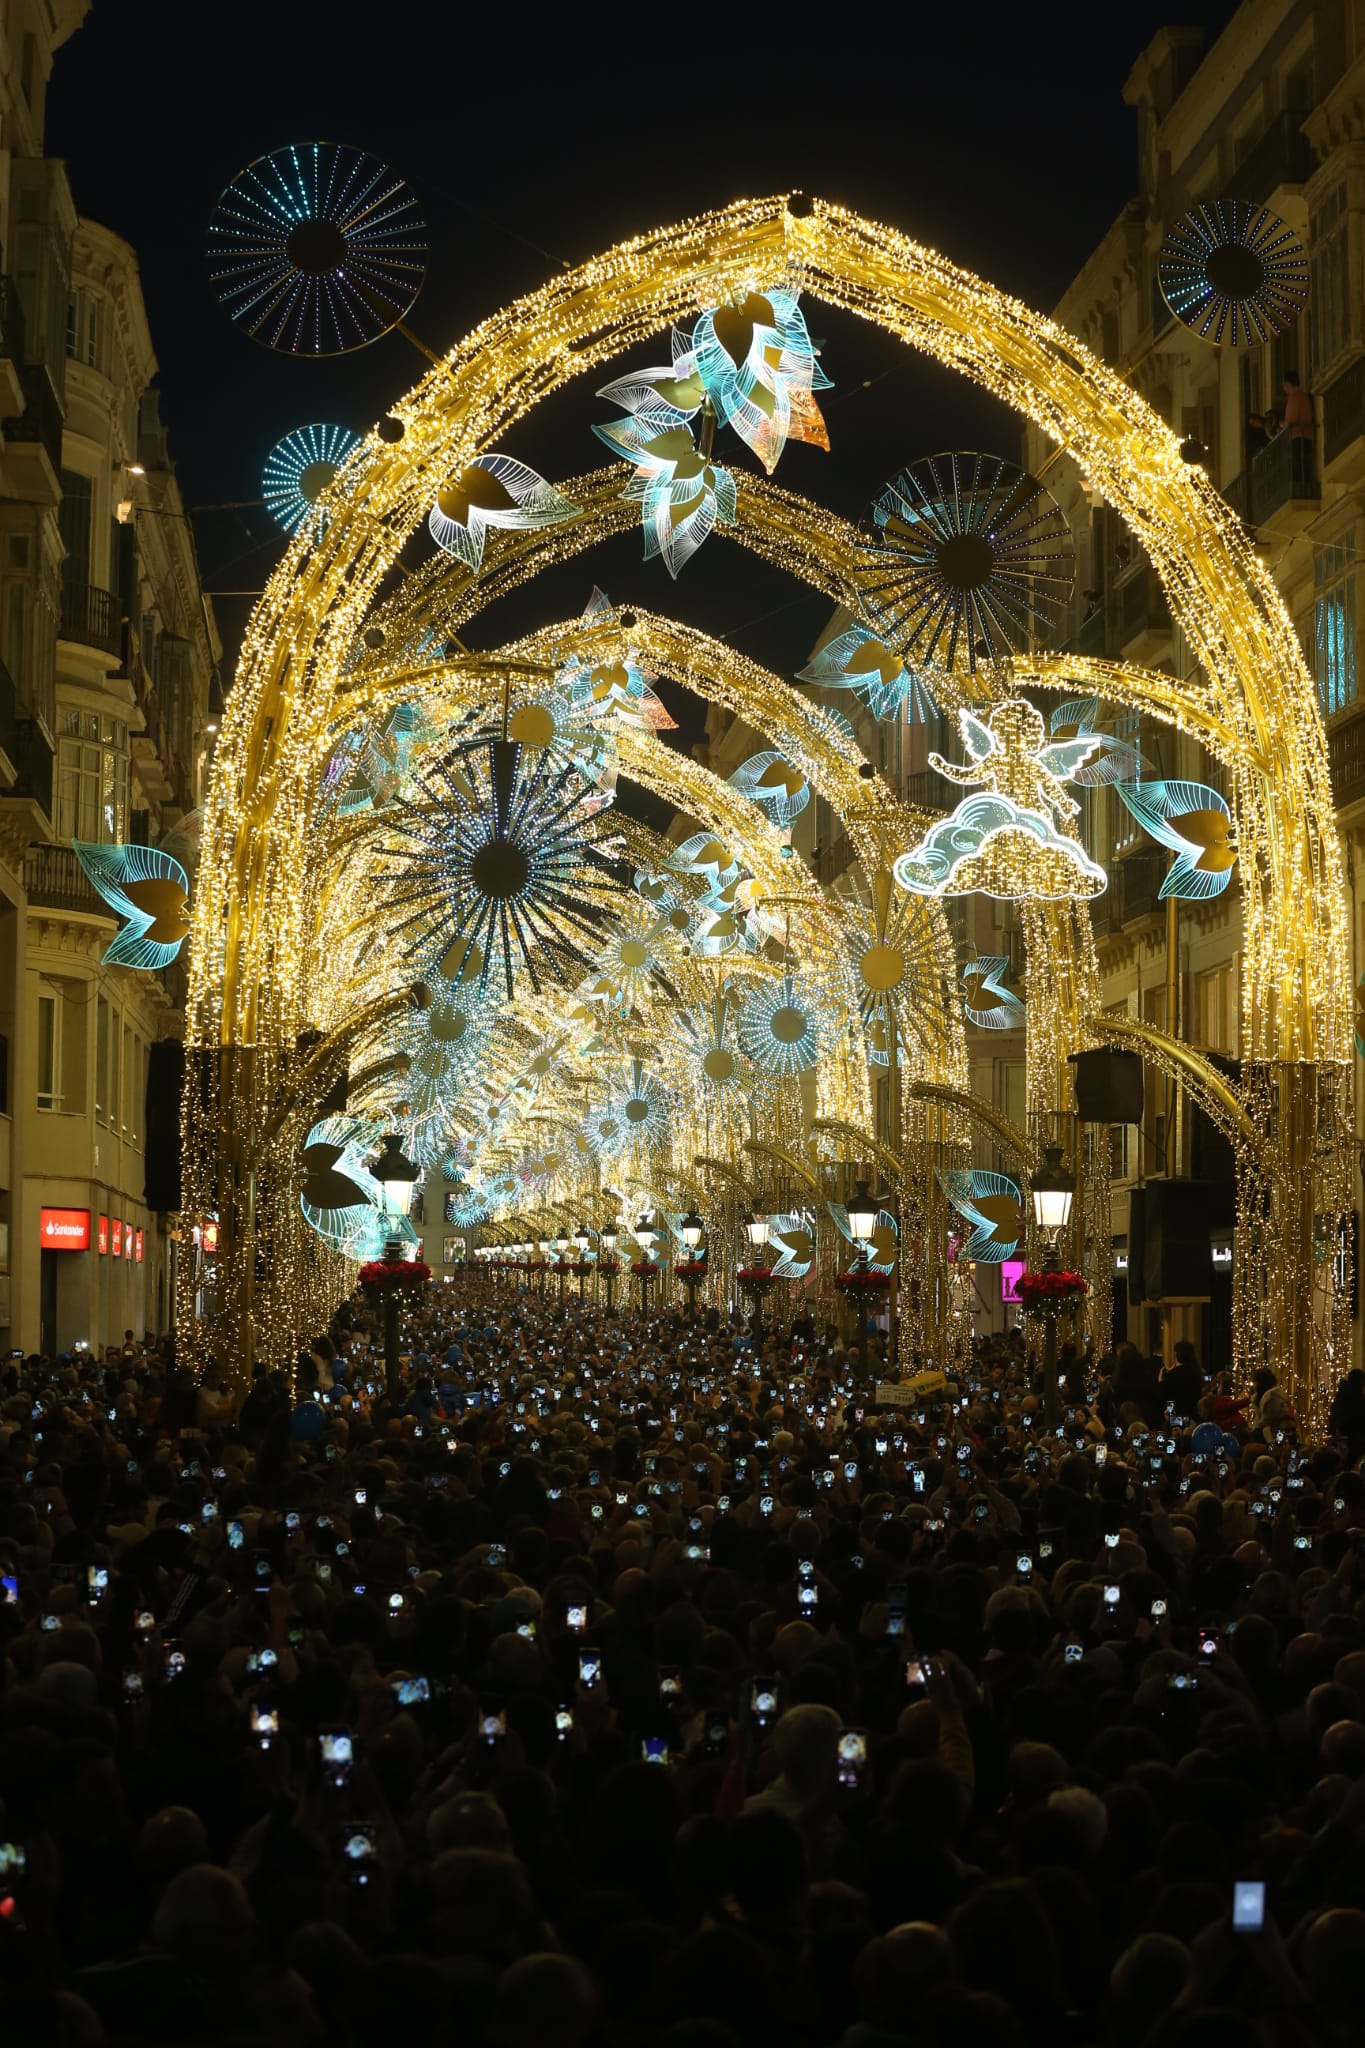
[(250, 942)]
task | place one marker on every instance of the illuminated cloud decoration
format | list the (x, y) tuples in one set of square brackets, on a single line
[(317, 249), (150, 889), (974, 558), (987, 1002), (1009, 842), (497, 863), (300, 468), (992, 1204), (1234, 272), (494, 490), (1195, 822), (857, 660)]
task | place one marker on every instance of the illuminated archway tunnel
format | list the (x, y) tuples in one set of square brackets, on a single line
[(253, 958)]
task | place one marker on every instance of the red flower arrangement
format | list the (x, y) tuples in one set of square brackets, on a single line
[(690, 1269), (1049, 1294), (608, 1265), (581, 1268), (863, 1280), (382, 1276), (755, 1278), (537, 1265), (643, 1267)]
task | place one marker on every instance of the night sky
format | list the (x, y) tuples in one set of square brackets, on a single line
[(536, 137)]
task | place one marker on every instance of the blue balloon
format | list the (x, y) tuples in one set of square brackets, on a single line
[(1207, 1439), (307, 1422)]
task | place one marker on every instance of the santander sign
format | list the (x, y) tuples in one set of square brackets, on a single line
[(65, 1230)]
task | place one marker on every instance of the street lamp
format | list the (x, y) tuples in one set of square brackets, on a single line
[(863, 1209), (606, 1238), (756, 1230), (1053, 1190), (691, 1230), (645, 1234), (398, 1177)]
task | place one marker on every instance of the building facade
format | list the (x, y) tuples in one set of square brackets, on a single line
[(108, 653)]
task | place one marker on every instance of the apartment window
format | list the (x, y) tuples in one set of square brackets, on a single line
[(1331, 300), (74, 517), (1216, 1008), (129, 1081), (1334, 625), (1118, 1152), (92, 778), (49, 1050)]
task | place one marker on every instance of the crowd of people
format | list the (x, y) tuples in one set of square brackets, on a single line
[(610, 1682)]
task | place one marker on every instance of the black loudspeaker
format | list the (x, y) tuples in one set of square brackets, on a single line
[(1177, 1260), (1137, 1245), (1211, 1154), (1108, 1086), (165, 1087)]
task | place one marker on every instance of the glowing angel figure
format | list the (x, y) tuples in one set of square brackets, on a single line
[(1195, 822), (493, 490), (992, 1204), (771, 781), (1116, 760), (1010, 756), (987, 1002), (791, 1236), (760, 371), (151, 890), (857, 660), (883, 1243)]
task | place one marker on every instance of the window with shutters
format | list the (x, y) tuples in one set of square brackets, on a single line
[(1334, 625), (1331, 300)]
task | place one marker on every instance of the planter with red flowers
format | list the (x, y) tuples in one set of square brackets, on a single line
[(863, 1283), (690, 1270), (1050, 1295), (388, 1276)]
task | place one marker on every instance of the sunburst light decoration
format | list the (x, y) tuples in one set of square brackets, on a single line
[(974, 559), (499, 868), (877, 923), (466, 1203), (1015, 841), (992, 1204), (1233, 272), (707, 1031), (300, 468), (150, 889), (1195, 822), (857, 660), (986, 1001), (493, 490), (317, 249), (785, 1026), (771, 781)]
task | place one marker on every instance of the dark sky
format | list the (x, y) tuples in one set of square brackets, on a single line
[(534, 136)]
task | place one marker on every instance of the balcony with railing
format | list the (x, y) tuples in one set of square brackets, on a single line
[(91, 617), (33, 758), (1142, 607), (1283, 474), (926, 790), (55, 880), (1283, 156), (1092, 636), (13, 347), (1346, 757)]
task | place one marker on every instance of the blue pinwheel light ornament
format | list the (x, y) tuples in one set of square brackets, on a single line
[(770, 780), (992, 1204), (857, 660), (1195, 822), (150, 889), (300, 468)]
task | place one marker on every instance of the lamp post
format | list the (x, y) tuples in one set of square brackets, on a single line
[(582, 1237), (692, 1230), (398, 1177), (607, 1242), (756, 1230), (646, 1233), (561, 1262), (1052, 1192)]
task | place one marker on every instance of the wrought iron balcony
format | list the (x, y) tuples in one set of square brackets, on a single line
[(55, 880), (91, 616), (33, 758), (1135, 886), (1281, 474), (40, 423), (1283, 156)]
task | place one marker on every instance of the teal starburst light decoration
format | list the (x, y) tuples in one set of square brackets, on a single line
[(300, 468), (784, 1026), (151, 890)]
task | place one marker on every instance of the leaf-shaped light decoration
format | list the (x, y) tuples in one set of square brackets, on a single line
[(340, 1198), (616, 688), (857, 660), (992, 1204), (791, 1235), (770, 780), (151, 890), (884, 1242), (681, 492), (1195, 822), (760, 371), (703, 854), (493, 490), (1117, 760), (986, 1001), (785, 1026)]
